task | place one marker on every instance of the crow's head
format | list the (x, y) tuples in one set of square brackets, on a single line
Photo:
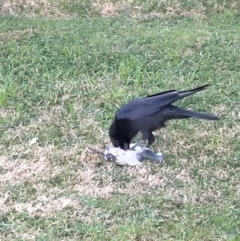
[(117, 136)]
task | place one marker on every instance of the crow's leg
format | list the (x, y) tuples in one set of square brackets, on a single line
[(126, 146), (151, 139)]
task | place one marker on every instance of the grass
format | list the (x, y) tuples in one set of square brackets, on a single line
[(65, 67)]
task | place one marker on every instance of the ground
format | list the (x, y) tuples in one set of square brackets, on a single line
[(65, 68)]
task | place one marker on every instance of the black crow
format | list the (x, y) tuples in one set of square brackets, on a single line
[(148, 114)]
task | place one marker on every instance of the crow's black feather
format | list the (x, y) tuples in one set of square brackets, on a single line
[(150, 113)]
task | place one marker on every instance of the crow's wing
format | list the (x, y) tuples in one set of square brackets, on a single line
[(152, 104), (141, 108)]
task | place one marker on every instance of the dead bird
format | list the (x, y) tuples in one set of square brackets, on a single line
[(131, 157)]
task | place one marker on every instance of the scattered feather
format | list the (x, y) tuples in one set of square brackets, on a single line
[(33, 141)]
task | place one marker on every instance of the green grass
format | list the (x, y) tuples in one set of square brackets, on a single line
[(65, 68)]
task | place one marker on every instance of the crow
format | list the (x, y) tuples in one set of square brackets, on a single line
[(148, 114)]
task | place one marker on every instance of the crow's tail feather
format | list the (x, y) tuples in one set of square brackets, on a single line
[(183, 94), (177, 113)]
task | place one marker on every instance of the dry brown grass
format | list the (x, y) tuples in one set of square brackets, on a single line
[(46, 8), (31, 8), (172, 8), (111, 8)]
